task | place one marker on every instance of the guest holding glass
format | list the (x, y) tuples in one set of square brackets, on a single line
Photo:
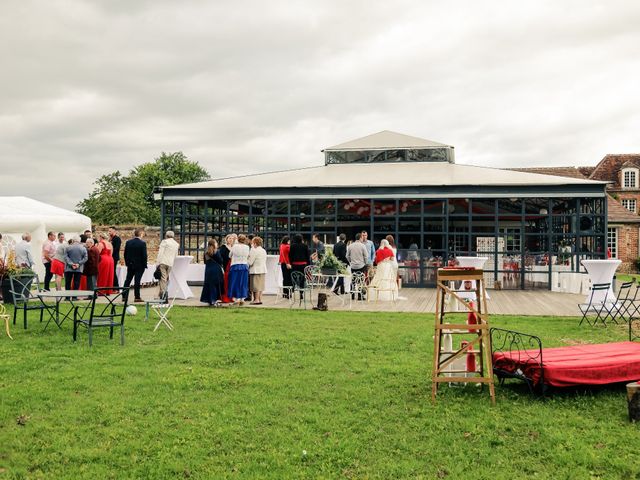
[(213, 285), (239, 271)]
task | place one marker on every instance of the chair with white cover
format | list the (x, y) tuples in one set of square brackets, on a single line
[(162, 310)]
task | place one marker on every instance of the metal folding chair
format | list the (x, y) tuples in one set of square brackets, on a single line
[(106, 310), (300, 286), (22, 287), (597, 304), (619, 310), (162, 310)]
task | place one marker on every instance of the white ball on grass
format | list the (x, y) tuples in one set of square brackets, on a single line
[(132, 310)]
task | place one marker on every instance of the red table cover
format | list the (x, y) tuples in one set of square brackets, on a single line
[(595, 364)]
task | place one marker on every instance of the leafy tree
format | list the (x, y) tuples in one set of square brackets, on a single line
[(112, 201), (117, 198), (167, 169)]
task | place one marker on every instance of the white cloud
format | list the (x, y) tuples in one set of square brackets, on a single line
[(90, 87)]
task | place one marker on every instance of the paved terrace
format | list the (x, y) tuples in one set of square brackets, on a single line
[(422, 300)]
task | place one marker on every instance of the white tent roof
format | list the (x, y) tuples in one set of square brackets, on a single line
[(22, 214), (401, 174), (386, 140)]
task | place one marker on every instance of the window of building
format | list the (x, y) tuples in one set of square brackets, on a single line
[(629, 204), (512, 240), (612, 241), (630, 178)]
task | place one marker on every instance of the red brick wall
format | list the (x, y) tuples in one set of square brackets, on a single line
[(627, 246)]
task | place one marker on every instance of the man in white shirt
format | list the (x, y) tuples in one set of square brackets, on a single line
[(166, 257), (24, 257)]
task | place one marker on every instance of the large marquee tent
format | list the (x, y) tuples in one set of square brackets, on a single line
[(19, 215)]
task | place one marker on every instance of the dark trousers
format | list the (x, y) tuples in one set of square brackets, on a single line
[(286, 279), (115, 273), (47, 275), (72, 280), (136, 276)]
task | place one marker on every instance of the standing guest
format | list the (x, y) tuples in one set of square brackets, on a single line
[(285, 266), (225, 252), (48, 251), (371, 249), (88, 234), (24, 258), (257, 269), (340, 251), (358, 257), (166, 257), (394, 249), (83, 238), (317, 248), (105, 265), (91, 267), (213, 285), (75, 256), (135, 257), (239, 271), (116, 242), (58, 261), (299, 255)]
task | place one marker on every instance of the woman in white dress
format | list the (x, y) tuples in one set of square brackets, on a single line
[(392, 246), (384, 281)]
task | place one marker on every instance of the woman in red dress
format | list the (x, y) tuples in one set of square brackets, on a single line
[(105, 266)]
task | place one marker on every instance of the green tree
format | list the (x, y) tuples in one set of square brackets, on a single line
[(112, 201), (117, 198), (168, 169)]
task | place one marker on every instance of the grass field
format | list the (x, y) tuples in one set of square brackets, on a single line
[(245, 393)]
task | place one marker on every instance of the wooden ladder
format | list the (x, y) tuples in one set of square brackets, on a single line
[(479, 342)]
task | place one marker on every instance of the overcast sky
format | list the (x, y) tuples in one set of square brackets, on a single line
[(253, 86)]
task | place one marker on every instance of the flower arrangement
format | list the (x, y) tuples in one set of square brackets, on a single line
[(330, 262), (9, 267)]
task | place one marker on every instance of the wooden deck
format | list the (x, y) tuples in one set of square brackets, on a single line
[(418, 300)]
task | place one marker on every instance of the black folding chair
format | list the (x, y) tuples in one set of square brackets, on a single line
[(23, 299), (104, 311), (631, 304), (620, 307), (299, 285), (597, 305)]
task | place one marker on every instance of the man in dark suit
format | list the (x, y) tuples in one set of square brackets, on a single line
[(135, 257), (116, 242), (340, 251)]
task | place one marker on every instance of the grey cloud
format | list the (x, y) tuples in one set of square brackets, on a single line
[(89, 87)]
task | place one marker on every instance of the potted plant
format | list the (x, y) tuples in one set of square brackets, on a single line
[(9, 268), (330, 265)]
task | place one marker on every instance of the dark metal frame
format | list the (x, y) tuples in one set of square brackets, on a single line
[(510, 341), (21, 284), (103, 314), (542, 222)]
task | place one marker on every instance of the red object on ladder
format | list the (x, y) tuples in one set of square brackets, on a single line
[(472, 318), (471, 357)]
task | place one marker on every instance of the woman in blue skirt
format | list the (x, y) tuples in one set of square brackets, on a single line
[(238, 288), (213, 286)]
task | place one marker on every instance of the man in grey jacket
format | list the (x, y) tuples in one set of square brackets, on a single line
[(75, 256)]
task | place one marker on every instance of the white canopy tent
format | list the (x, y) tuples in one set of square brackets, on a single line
[(19, 215)]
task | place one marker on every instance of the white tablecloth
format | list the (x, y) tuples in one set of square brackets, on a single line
[(147, 276), (178, 287), (471, 262), (601, 271), (273, 280)]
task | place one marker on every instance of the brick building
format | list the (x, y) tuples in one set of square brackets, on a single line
[(622, 172)]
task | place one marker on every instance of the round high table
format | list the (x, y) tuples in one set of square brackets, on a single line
[(471, 262), (178, 287), (601, 271)]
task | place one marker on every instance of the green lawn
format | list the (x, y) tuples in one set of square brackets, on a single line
[(245, 393)]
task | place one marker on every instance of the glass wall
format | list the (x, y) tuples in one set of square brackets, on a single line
[(524, 239)]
